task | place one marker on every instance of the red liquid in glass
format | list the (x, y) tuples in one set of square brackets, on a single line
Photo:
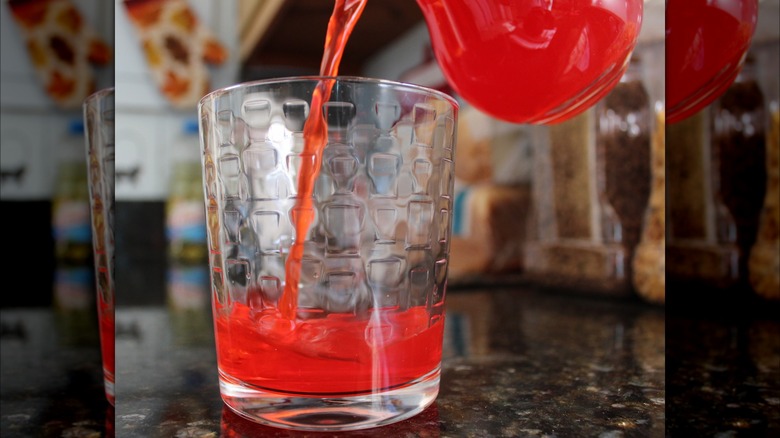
[(106, 323), (706, 43), (532, 61), (336, 354)]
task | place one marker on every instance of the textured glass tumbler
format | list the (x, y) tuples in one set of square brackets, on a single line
[(99, 132), (361, 344)]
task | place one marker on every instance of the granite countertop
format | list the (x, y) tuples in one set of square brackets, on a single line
[(723, 364), (51, 378), (517, 362)]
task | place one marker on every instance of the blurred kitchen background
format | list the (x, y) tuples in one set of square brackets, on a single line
[(581, 206), (540, 205), (54, 54), (160, 220), (723, 201), (613, 203), (44, 195)]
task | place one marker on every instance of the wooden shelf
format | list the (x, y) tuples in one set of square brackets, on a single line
[(290, 34)]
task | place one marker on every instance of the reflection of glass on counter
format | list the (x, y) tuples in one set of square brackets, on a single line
[(73, 288), (189, 304), (110, 420), (188, 287), (74, 305), (648, 341), (467, 325)]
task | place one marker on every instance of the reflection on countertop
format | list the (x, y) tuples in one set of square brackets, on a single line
[(552, 365), (723, 364), (52, 379), (516, 363)]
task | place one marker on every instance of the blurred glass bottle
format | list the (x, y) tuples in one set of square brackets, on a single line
[(738, 162), (188, 284), (716, 164), (73, 276), (70, 203), (623, 133), (764, 262), (74, 302), (185, 215), (591, 190)]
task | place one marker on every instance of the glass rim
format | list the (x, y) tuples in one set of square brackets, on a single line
[(219, 92), (99, 94)]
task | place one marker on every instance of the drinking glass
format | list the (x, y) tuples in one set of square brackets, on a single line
[(356, 340), (99, 133)]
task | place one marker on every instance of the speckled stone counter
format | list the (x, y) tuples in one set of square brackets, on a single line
[(516, 363), (51, 378), (723, 365)]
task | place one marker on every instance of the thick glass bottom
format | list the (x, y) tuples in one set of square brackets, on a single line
[(108, 383), (329, 413)]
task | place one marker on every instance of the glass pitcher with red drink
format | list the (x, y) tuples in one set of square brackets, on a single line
[(532, 61), (545, 61)]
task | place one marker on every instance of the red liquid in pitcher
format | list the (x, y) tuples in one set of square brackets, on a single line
[(336, 354), (705, 46), (532, 61)]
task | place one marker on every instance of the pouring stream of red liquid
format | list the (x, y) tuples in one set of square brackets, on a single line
[(342, 21)]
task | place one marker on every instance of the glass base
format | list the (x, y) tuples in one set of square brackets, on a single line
[(329, 413), (108, 384)]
